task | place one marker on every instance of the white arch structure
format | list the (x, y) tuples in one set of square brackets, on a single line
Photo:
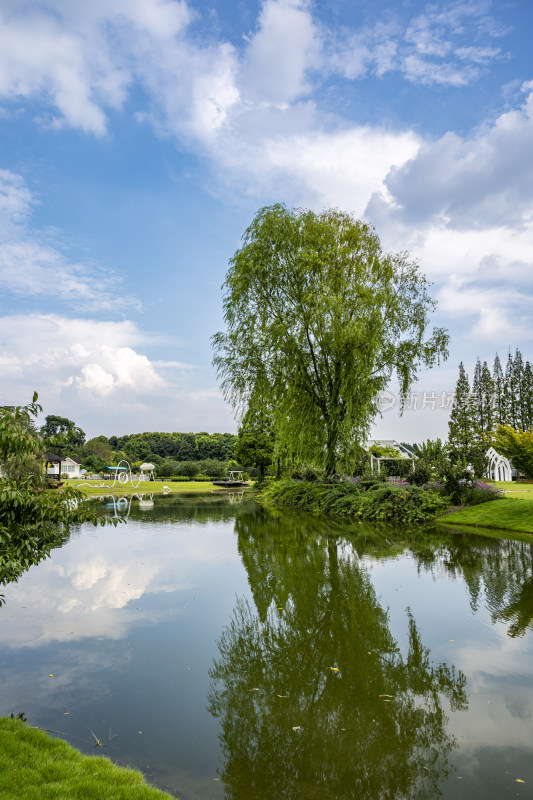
[(499, 468)]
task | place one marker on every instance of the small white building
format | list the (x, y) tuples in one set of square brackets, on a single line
[(57, 466)]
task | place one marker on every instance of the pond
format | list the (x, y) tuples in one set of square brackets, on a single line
[(232, 652)]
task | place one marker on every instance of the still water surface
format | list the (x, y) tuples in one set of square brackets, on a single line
[(231, 652)]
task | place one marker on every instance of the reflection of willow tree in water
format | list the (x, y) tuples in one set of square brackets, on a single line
[(349, 741)]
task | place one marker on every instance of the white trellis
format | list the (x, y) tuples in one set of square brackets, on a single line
[(499, 467)]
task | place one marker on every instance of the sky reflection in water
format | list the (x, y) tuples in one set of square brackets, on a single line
[(233, 652)]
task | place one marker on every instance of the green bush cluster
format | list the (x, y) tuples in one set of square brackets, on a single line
[(375, 500)]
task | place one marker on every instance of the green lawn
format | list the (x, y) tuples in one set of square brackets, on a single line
[(515, 490), (33, 766), (511, 513), (146, 487)]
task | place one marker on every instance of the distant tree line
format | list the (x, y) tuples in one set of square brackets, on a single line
[(177, 446), (171, 453)]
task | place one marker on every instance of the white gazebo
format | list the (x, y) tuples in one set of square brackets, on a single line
[(147, 468), (499, 467)]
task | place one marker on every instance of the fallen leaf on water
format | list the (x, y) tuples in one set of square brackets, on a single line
[(451, 640), (334, 669), (386, 695), (519, 780), (253, 690), (216, 779), (51, 676), (282, 695), (297, 728)]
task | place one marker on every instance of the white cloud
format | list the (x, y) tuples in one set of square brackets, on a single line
[(67, 53), (463, 206), (30, 266), (93, 358), (316, 168), (480, 181), (93, 370), (448, 44), (281, 53)]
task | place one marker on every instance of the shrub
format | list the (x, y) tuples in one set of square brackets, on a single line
[(368, 500)]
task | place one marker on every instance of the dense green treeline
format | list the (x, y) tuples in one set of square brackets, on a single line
[(178, 446), (171, 453)]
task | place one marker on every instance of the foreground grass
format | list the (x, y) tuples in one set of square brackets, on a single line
[(146, 487), (33, 766), (510, 513)]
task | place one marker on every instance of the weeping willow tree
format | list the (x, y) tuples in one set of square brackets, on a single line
[(319, 319)]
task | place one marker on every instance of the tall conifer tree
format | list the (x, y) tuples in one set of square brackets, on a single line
[(462, 438), (516, 387), (511, 417), (527, 397), (499, 392), (488, 396)]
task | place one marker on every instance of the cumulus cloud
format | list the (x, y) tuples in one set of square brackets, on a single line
[(33, 267), (82, 367), (480, 181), (462, 205), (94, 358)]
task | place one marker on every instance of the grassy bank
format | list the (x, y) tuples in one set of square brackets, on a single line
[(146, 487), (33, 766), (511, 513)]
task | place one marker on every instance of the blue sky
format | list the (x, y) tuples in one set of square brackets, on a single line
[(139, 137)]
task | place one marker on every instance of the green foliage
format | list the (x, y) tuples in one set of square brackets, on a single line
[(255, 440), (62, 435), (376, 500), (99, 447), (177, 446), (517, 446), (384, 451), (462, 426), (306, 472), (32, 521), (318, 319), (189, 468)]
